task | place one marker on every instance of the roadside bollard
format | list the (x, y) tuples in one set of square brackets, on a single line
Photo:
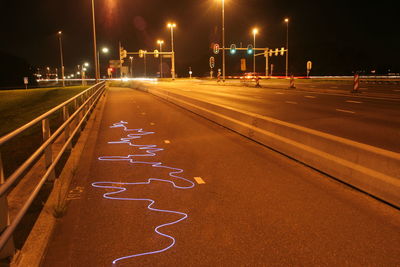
[(292, 82), (356, 84)]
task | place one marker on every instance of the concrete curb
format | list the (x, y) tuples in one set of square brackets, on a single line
[(36, 245), (370, 169)]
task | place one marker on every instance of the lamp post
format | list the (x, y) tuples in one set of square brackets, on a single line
[(223, 40), (131, 58), (172, 26), (104, 50), (160, 42), (96, 65), (255, 31), (62, 58), (287, 46)]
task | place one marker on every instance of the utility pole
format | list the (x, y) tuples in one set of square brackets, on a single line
[(62, 58)]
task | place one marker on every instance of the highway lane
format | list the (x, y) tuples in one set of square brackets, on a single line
[(372, 121), (256, 207)]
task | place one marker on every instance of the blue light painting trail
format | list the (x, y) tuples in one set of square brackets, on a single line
[(150, 151)]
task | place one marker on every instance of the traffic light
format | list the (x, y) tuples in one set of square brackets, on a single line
[(233, 49), (250, 49), (122, 53)]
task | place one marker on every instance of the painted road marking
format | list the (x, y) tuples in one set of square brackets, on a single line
[(167, 141), (279, 93), (291, 102), (199, 180), (352, 101), (309, 96), (345, 111)]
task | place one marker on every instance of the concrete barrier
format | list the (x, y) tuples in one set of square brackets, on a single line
[(370, 169)]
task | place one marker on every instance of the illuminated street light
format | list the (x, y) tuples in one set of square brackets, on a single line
[(255, 32), (223, 40), (62, 57), (95, 43), (131, 58), (160, 42), (287, 46), (104, 50), (172, 26), (86, 64)]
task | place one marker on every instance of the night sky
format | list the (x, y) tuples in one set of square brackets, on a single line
[(338, 37)]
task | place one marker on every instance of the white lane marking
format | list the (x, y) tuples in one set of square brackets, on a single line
[(152, 123), (309, 96), (345, 111), (279, 93), (291, 102), (167, 141), (199, 180), (352, 101)]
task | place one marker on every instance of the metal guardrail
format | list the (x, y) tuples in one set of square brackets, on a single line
[(87, 100)]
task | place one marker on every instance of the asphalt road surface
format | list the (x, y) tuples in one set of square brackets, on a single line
[(368, 120), (250, 206)]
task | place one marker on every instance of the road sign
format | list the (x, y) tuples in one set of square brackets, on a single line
[(212, 62), (26, 80), (115, 64), (309, 65), (216, 48), (233, 49), (243, 64)]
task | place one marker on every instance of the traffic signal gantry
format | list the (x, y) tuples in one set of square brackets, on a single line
[(142, 54), (266, 52)]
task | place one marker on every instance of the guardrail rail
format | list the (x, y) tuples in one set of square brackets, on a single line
[(82, 106)]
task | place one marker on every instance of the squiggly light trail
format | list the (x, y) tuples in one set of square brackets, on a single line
[(151, 151)]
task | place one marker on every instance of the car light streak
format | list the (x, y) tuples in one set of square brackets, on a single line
[(120, 187)]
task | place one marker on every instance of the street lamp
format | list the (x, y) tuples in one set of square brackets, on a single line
[(131, 58), (104, 50), (95, 43), (255, 31), (62, 58), (160, 42), (223, 40), (172, 26), (287, 46)]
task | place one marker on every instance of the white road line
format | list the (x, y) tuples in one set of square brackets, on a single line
[(279, 93), (309, 96), (352, 101), (199, 180), (167, 141), (291, 102), (345, 111)]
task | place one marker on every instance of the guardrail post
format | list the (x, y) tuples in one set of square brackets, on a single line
[(48, 153), (67, 128), (9, 248)]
